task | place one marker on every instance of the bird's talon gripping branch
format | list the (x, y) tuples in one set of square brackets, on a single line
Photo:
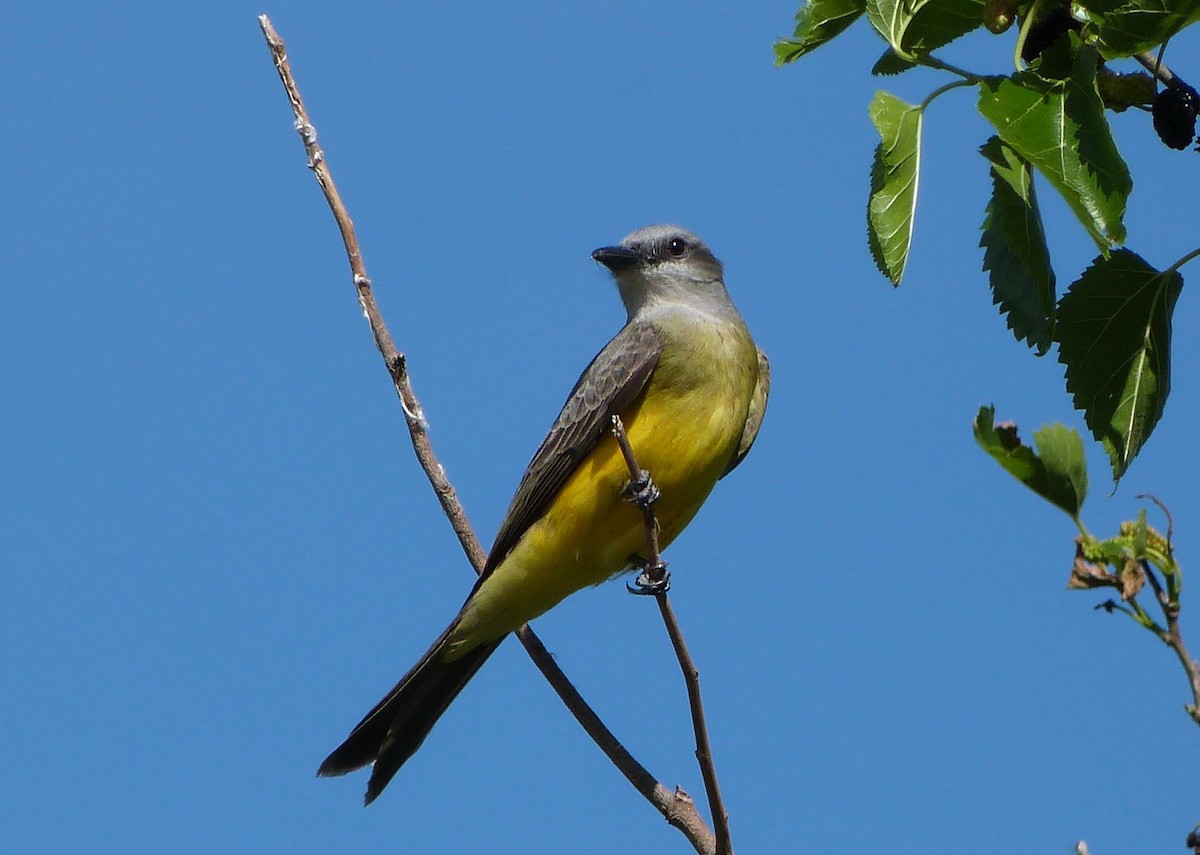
[(654, 579), (642, 492)]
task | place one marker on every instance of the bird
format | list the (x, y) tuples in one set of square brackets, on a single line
[(690, 387)]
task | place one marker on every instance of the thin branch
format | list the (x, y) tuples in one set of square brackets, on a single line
[(640, 480), (1157, 501), (395, 361), (1159, 593), (1172, 637), (676, 807), (1168, 601), (1158, 68), (1190, 666), (1174, 640), (1172, 576), (691, 676)]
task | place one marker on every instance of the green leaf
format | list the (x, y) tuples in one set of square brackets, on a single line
[(891, 63), (1139, 25), (1096, 8), (1059, 126), (817, 22), (918, 26), (1114, 335), (1057, 61), (1061, 449), (1059, 475), (895, 175), (1015, 251)]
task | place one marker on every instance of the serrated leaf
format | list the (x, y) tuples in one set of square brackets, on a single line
[(1058, 475), (918, 26), (1114, 335), (1015, 252), (1059, 126), (1057, 60), (891, 63), (895, 175), (1139, 25), (817, 22)]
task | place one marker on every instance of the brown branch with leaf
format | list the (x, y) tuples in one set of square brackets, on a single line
[(1138, 556), (674, 805), (1055, 468)]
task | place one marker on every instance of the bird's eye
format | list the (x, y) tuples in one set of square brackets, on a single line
[(677, 247)]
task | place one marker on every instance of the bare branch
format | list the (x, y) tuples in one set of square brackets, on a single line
[(676, 807), (395, 362), (1173, 638), (690, 675)]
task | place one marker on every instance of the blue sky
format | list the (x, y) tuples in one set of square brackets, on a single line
[(218, 550)]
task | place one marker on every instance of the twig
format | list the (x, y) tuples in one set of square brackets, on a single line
[(1190, 666), (1168, 601), (1154, 64), (1157, 67), (395, 361), (1167, 598), (1172, 637), (690, 675), (677, 808)]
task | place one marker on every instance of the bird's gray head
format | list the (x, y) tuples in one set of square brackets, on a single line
[(669, 265)]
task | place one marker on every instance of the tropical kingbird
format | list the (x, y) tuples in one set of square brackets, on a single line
[(690, 387)]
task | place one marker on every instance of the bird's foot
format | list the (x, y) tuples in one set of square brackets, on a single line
[(654, 579), (641, 491)]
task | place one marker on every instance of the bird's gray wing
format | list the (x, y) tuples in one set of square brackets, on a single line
[(612, 380), (754, 418)]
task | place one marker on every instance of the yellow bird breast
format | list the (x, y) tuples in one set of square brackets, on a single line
[(684, 429)]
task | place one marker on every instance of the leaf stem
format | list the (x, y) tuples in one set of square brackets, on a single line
[(931, 61), (1026, 26), (1195, 253), (941, 90)]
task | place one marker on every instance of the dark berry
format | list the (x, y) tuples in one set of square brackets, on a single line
[(1175, 116)]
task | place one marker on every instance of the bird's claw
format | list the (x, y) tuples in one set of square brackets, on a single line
[(641, 491), (652, 581)]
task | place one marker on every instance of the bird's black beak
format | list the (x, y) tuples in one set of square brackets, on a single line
[(617, 258)]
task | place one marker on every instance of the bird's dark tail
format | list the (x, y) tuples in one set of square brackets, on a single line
[(392, 732)]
